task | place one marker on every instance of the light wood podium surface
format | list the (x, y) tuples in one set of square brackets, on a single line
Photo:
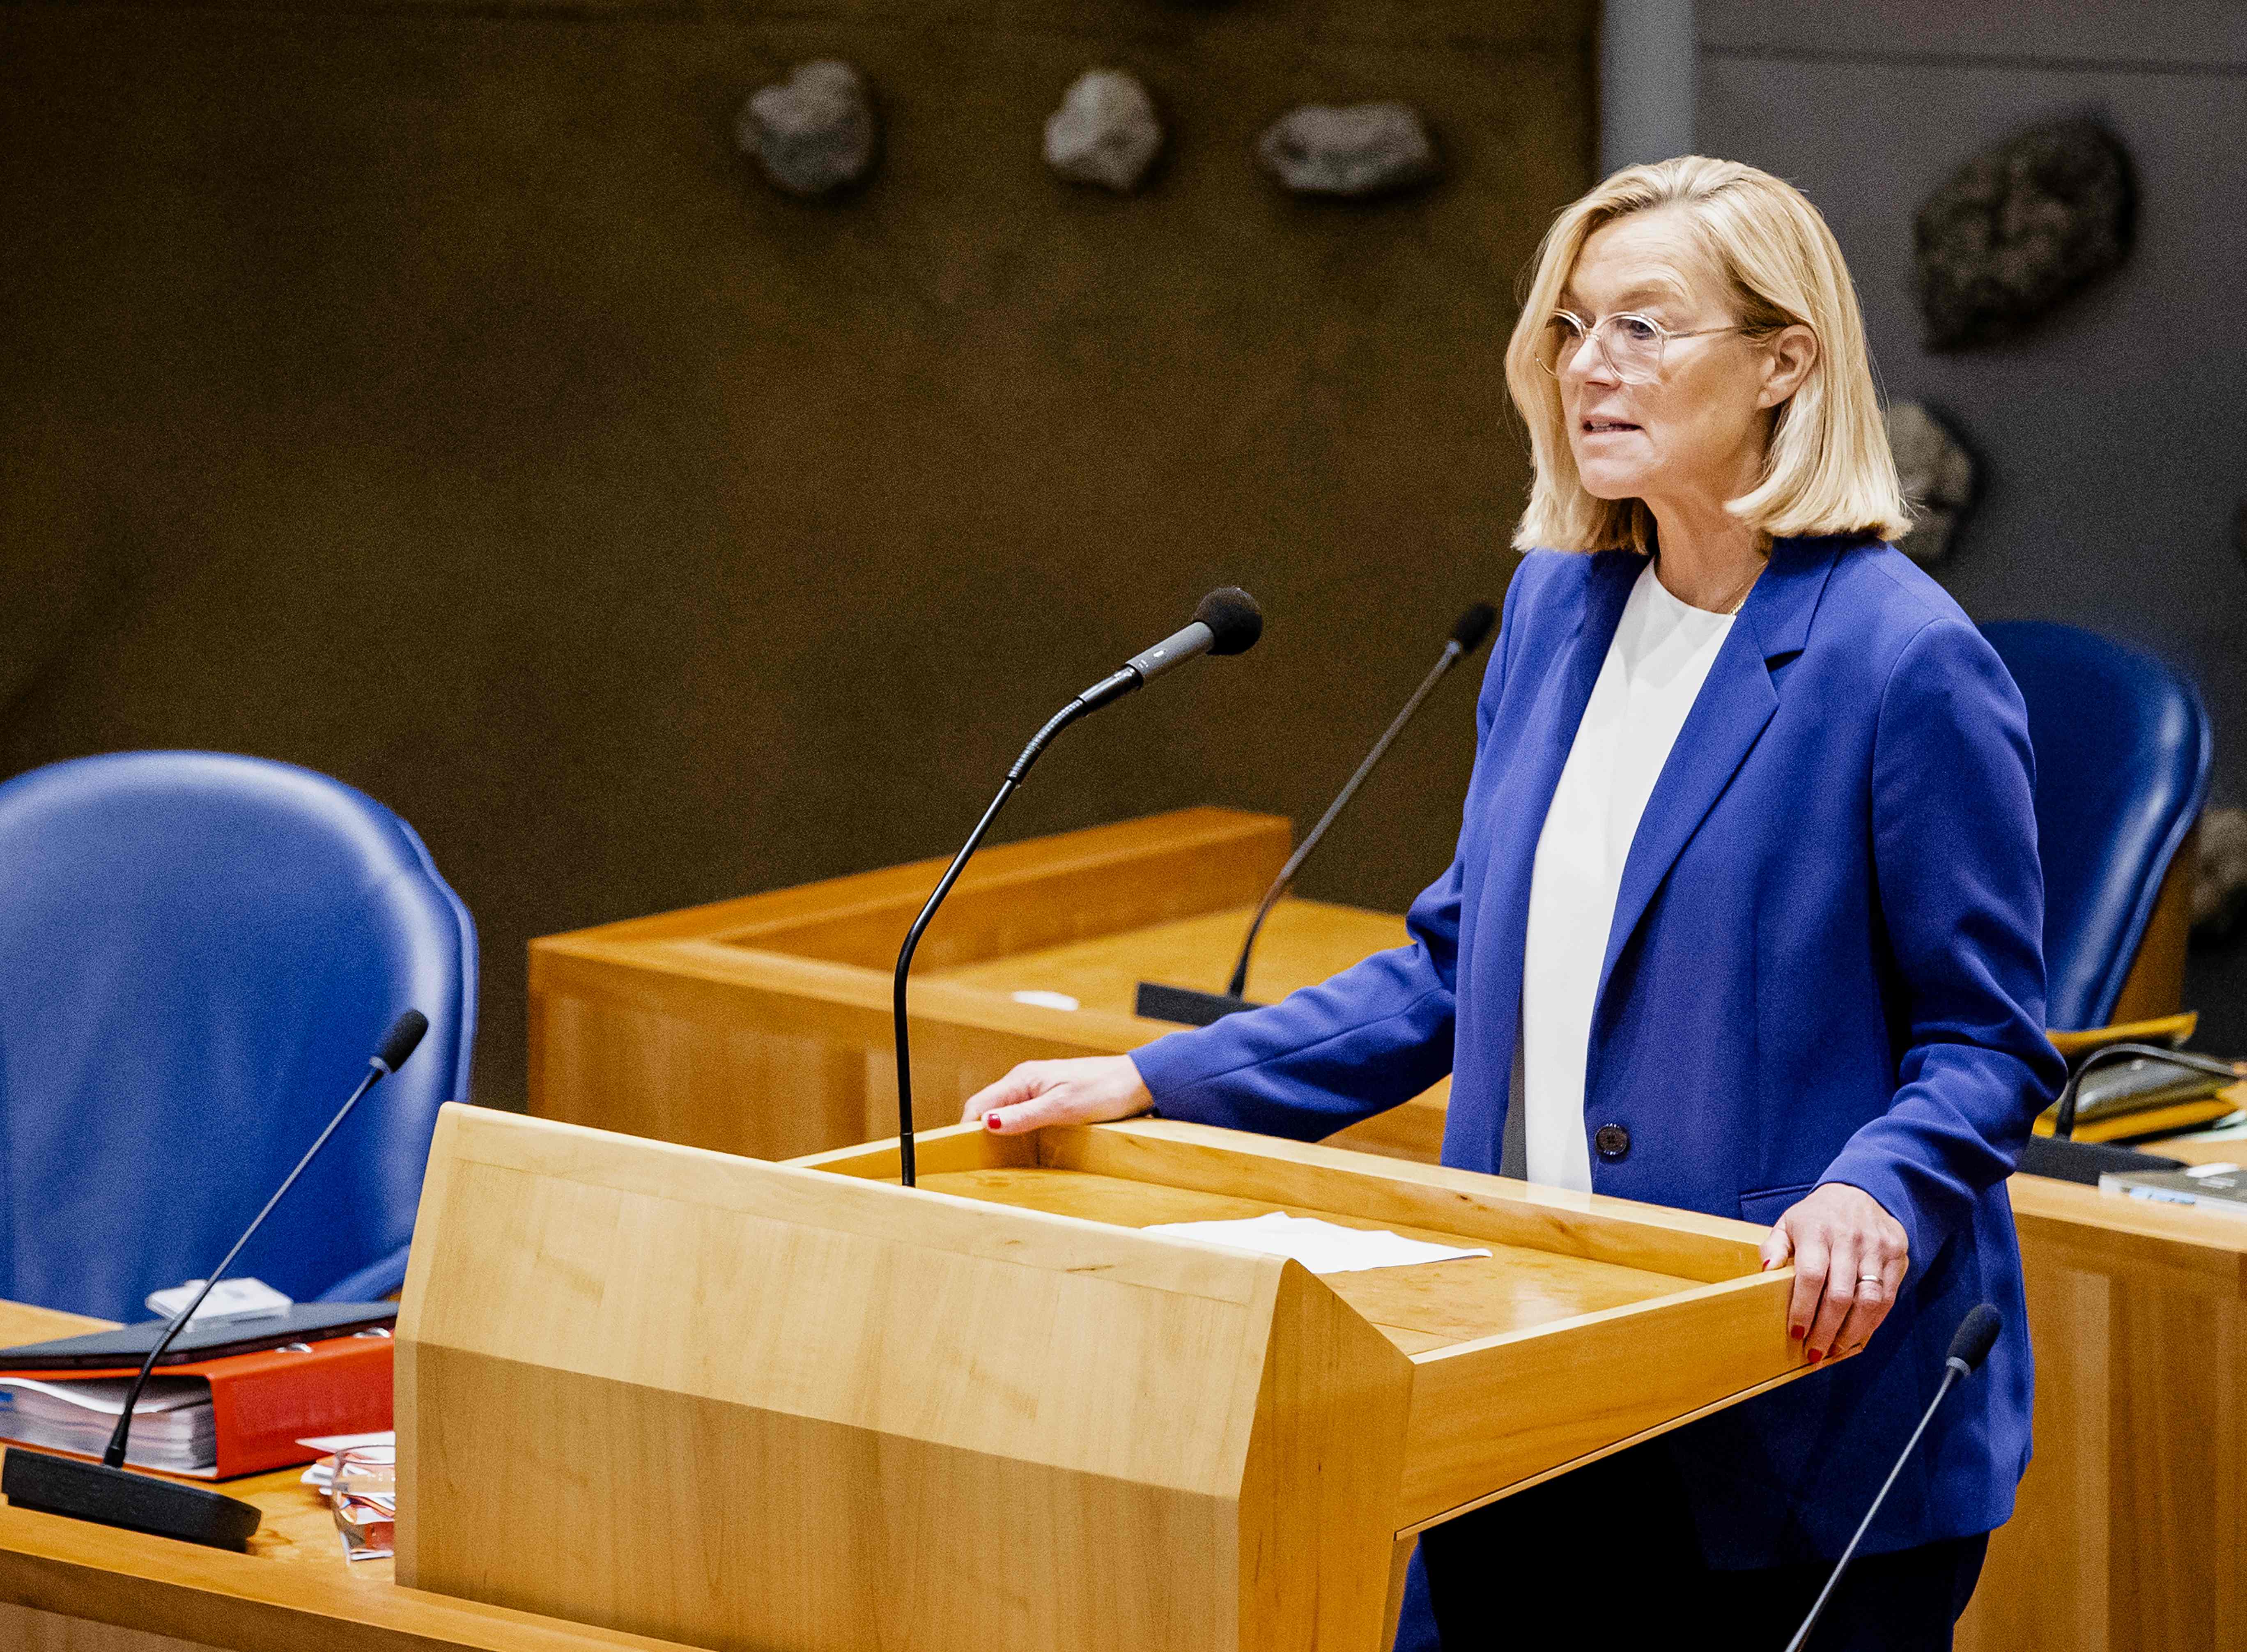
[(800, 1408)]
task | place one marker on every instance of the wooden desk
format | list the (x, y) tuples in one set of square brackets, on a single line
[(66, 1586), (679, 1026), (2131, 1531)]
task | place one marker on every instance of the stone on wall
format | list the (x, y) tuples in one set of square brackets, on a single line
[(1939, 480), (2219, 885), (1360, 150), (1105, 131), (813, 133), (2019, 229)]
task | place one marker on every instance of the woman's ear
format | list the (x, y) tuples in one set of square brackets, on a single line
[(1788, 357)]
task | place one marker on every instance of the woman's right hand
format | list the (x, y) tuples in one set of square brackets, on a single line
[(1088, 1090)]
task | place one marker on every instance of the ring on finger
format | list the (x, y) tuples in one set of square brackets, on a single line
[(1873, 1279)]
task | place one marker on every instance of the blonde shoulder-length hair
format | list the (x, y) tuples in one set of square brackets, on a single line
[(1828, 469)]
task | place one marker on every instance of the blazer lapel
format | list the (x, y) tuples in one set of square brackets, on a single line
[(1554, 716), (1728, 716), (1525, 795)]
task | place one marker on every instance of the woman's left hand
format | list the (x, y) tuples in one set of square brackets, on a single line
[(1849, 1258)]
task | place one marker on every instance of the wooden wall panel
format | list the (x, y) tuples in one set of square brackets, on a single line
[(428, 394)]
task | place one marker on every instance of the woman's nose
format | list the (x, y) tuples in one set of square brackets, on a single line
[(1588, 365)]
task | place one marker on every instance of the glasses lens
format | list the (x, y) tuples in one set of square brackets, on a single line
[(1563, 337), (1633, 346)]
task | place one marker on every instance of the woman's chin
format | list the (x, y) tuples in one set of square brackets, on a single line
[(1610, 482)]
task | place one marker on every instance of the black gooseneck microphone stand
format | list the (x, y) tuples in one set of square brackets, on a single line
[(1977, 1334), (2063, 1124), (1226, 622), (1060, 720), (1466, 636), (108, 1493), (2061, 1156), (1189, 1005)]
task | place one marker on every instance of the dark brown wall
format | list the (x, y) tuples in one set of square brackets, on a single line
[(427, 393)]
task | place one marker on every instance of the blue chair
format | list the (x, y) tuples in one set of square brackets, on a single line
[(198, 954), (2122, 747)]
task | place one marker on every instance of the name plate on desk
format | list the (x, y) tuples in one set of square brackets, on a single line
[(728, 1402)]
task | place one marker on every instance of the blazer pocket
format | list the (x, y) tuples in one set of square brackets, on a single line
[(1767, 1205)]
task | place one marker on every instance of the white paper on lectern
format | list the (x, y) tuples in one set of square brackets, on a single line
[(1323, 1247)]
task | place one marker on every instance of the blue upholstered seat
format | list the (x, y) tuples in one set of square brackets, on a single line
[(198, 954), (2123, 749)]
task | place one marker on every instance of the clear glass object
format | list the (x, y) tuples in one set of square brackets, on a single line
[(363, 1495)]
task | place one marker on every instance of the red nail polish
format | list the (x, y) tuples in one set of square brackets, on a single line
[(1815, 1357), (1797, 1332), (990, 1120)]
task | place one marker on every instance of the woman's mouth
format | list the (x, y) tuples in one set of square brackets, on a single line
[(1606, 427)]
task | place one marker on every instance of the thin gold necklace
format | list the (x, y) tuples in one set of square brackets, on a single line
[(1738, 602)]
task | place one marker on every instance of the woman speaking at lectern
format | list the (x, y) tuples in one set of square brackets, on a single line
[(1745, 918)]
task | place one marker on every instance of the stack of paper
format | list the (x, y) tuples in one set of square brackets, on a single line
[(372, 1449), (172, 1425), (1323, 1247)]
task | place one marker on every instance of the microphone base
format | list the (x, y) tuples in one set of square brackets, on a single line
[(1156, 1002), (2069, 1160), (105, 1496)]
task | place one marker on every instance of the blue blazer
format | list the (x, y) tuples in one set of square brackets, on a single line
[(1825, 966)]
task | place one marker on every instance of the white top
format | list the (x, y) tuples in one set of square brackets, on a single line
[(1661, 655)]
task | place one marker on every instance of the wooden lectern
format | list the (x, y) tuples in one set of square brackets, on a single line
[(789, 1407)]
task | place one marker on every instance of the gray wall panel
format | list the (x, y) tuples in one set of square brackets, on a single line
[(2195, 34), (2111, 442)]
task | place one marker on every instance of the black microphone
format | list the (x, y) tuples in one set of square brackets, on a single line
[(108, 1493), (2062, 1157), (1226, 622), (1162, 1003), (1976, 1335)]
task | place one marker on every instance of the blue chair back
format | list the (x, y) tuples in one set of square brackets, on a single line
[(2122, 747), (198, 954)]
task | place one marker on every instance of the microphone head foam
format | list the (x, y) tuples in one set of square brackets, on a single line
[(1977, 1333), (1233, 620), (405, 1035), (1473, 627)]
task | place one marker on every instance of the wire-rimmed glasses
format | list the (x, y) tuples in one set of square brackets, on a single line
[(1631, 345)]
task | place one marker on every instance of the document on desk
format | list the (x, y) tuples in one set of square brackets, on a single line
[(1323, 1247), (173, 1427)]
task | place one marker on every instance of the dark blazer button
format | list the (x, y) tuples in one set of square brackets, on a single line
[(1612, 1141)]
